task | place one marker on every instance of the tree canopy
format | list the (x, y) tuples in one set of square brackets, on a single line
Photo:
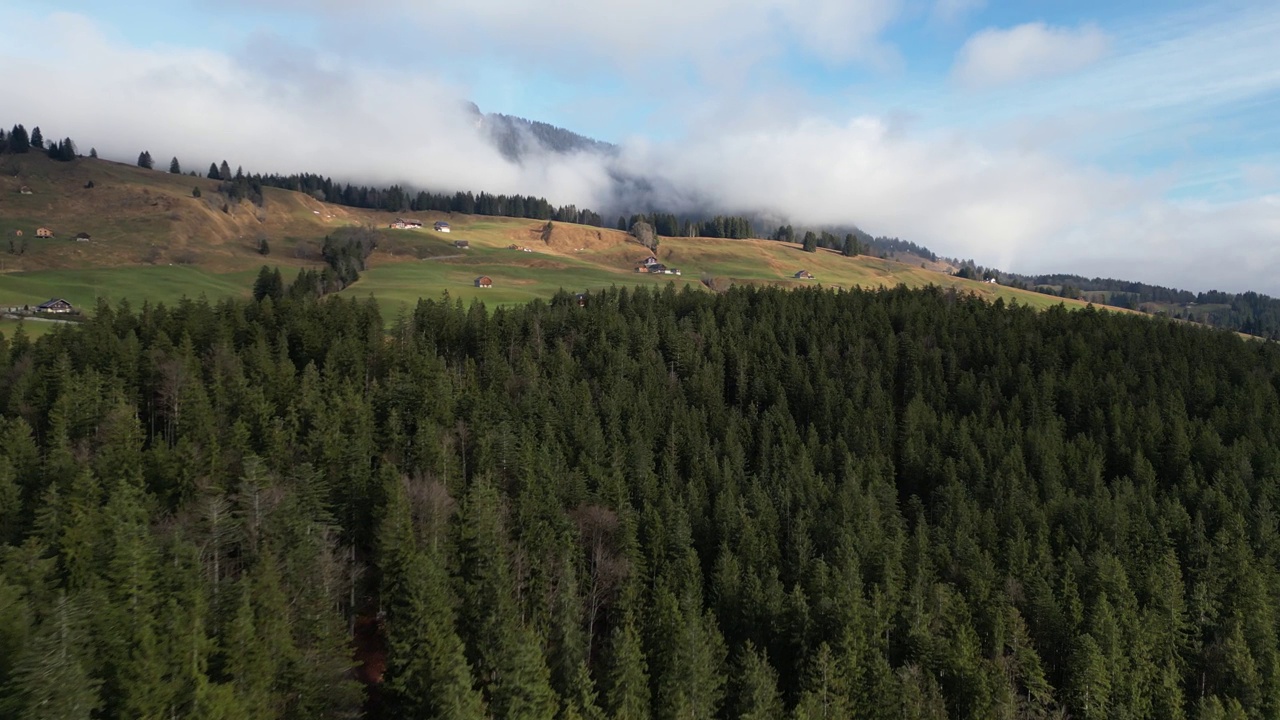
[(660, 504)]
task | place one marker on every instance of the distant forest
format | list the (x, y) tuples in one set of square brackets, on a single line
[(1248, 312), (660, 505)]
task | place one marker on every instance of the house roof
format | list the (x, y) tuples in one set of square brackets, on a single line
[(52, 302)]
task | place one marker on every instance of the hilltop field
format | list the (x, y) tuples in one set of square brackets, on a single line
[(150, 239)]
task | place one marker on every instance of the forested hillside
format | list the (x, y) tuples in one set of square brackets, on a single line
[(662, 505)]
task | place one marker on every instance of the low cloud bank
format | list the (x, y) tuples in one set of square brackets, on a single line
[(291, 110)]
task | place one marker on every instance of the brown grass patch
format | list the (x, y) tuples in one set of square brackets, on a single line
[(569, 238)]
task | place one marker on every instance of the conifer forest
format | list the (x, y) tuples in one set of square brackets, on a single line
[(638, 505)]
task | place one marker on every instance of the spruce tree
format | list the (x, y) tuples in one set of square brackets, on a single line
[(53, 679), (174, 166), (37, 139), (427, 669), (427, 673), (626, 683), (755, 687), (213, 173), (144, 160), (19, 141)]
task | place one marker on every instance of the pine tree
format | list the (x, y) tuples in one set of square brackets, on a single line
[(11, 519), (270, 284), (755, 690), (688, 658), (248, 663), (810, 242), (523, 687), (224, 171), (824, 695), (427, 672), (144, 160), (52, 678), (1090, 683), (174, 166), (135, 678), (63, 150), (213, 173), (15, 632), (37, 140), (568, 658), (19, 141), (626, 695)]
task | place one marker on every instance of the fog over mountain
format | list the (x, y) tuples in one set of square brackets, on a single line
[(1004, 194)]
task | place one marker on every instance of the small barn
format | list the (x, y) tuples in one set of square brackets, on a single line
[(441, 226), (411, 224), (55, 305), (44, 233), (83, 237), (398, 225), (657, 268), (462, 244), (651, 260), (484, 281), (803, 275)]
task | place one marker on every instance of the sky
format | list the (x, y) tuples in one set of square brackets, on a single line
[(1125, 139)]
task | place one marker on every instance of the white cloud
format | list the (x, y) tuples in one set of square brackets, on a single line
[(951, 11), (943, 191), (721, 40), (284, 109), (995, 57)]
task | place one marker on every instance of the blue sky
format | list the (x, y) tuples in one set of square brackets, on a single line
[(1127, 138)]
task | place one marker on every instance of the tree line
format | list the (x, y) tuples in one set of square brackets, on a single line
[(661, 504), (19, 142)]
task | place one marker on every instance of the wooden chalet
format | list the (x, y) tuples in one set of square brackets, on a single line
[(55, 305)]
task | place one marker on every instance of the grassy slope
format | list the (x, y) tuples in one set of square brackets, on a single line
[(578, 258), (33, 328), (153, 241)]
